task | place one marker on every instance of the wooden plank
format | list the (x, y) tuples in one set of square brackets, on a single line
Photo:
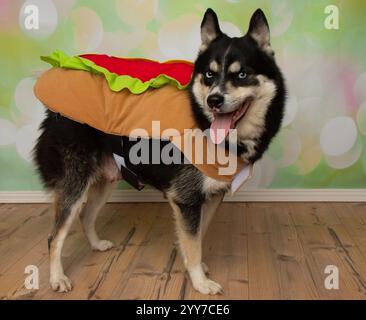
[(295, 279), (132, 237), (78, 258), (237, 284), (321, 250), (255, 250), (75, 245), (353, 217), (264, 282), (227, 260), (147, 275), (13, 211), (20, 238), (352, 256)]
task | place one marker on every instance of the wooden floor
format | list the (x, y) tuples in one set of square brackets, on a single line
[(254, 250)]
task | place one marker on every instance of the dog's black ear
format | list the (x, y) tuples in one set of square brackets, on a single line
[(210, 28), (259, 31)]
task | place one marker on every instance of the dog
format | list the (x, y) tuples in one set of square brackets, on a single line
[(235, 81)]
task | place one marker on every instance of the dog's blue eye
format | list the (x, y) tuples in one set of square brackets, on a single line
[(209, 74), (242, 75)]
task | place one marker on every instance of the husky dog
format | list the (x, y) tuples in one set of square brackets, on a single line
[(235, 84)]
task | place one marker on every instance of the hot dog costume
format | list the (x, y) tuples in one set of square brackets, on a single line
[(119, 95)]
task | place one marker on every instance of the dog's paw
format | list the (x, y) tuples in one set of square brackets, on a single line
[(205, 268), (61, 283), (102, 245), (208, 286)]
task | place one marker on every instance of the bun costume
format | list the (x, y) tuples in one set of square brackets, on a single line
[(123, 97)]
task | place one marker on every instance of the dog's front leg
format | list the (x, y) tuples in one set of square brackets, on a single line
[(208, 211), (189, 232)]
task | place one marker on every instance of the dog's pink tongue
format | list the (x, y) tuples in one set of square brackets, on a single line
[(220, 127)]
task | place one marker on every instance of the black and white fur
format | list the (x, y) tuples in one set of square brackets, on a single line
[(76, 164)]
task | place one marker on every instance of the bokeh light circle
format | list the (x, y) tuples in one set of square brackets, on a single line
[(291, 147), (338, 136), (361, 117), (137, 13), (285, 147), (25, 140), (230, 29), (180, 38), (290, 110), (359, 88), (29, 106), (310, 155), (282, 15), (87, 28), (347, 159), (112, 44), (7, 132)]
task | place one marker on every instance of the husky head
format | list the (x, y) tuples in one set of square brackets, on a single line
[(236, 84)]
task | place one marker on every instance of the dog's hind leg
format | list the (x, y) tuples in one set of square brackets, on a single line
[(68, 203), (98, 194), (189, 232)]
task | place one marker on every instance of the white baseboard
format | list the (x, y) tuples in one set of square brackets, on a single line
[(258, 195)]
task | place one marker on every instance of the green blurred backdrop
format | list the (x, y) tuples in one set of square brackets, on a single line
[(322, 143)]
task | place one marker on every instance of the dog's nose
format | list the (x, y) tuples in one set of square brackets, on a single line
[(215, 100)]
